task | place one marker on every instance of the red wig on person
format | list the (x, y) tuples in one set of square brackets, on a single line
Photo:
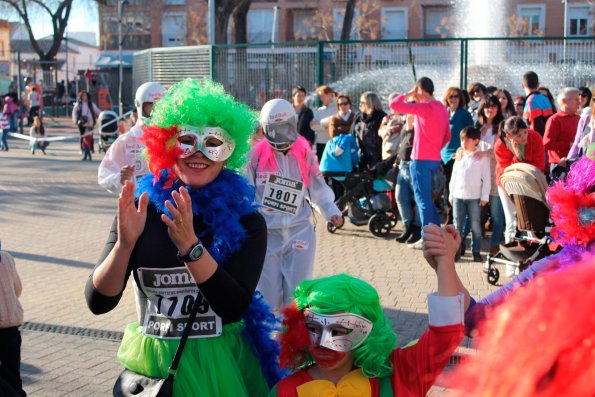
[(540, 342)]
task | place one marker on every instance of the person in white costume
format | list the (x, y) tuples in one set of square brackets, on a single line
[(286, 176), (123, 160)]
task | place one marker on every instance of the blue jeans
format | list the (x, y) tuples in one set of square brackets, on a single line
[(421, 177), (404, 194), (12, 120), (462, 208), (3, 141), (497, 215)]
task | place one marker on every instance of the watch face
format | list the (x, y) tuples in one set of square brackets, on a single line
[(196, 252)]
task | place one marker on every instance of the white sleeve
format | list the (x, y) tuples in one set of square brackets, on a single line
[(486, 179), (321, 195), (108, 174), (446, 310), (74, 112), (453, 178)]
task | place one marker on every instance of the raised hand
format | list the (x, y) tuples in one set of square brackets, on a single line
[(440, 244), (180, 226), (131, 220)]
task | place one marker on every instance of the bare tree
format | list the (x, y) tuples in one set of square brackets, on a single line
[(58, 11)]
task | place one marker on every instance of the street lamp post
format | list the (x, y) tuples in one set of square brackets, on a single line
[(121, 4)]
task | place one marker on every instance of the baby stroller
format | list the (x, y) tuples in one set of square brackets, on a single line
[(366, 200), (108, 129), (526, 185)]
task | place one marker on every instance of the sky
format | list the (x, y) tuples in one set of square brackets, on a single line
[(83, 18)]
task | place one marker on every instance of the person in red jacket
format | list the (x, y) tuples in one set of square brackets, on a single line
[(516, 144), (341, 343), (560, 129)]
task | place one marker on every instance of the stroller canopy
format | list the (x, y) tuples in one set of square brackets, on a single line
[(525, 180)]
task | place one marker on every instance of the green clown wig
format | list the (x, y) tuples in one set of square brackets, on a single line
[(340, 293), (199, 104)]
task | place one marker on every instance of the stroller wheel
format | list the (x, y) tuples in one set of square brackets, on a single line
[(380, 225), (394, 219), (493, 275)]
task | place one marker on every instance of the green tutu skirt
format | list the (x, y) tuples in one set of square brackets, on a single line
[(223, 366)]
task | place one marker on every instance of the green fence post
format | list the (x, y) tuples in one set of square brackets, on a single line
[(320, 64), (462, 65)]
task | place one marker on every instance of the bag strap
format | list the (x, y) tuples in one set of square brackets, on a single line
[(174, 364)]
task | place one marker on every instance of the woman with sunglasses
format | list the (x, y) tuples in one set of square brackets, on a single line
[(192, 238), (459, 119), (585, 133), (585, 95), (365, 129)]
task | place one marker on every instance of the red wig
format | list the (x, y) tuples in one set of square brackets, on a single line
[(162, 151), (540, 342), (294, 339)]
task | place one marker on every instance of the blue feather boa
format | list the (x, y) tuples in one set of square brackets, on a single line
[(221, 204)]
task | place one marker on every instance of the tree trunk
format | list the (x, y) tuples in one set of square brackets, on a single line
[(240, 21), (348, 20), (242, 73)]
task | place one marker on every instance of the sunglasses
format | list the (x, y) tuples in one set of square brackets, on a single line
[(519, 104), (453, 97), (343, 103)]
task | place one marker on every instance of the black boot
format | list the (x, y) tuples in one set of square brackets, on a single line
[(415, 234), (406, 233)]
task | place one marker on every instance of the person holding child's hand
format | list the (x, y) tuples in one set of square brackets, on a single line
[(339, 340)]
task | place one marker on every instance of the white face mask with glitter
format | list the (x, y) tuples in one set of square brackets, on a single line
[(341, 332), (214, 142)]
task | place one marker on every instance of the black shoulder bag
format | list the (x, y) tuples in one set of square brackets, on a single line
[(131, 384)]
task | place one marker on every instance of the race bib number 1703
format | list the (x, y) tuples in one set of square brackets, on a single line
[(171, 294)]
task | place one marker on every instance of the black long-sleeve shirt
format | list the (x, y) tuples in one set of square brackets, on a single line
[(229, 291)]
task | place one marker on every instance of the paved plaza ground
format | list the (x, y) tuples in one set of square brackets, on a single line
[(55, 219)]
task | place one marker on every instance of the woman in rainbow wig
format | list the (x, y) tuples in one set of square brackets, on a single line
[(285, 173), (342, 344), (193, 237)]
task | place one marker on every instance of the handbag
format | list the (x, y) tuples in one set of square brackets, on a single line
[(131, 384)]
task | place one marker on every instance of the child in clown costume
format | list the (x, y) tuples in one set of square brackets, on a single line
[(342, 344), (286, 176), (192, 237)]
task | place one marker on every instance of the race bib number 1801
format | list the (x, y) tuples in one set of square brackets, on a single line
[(283, 194), (171, 294)]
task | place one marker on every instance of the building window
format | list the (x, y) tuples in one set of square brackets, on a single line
[(260, 25), (136, 30), (532, 17), (173, 2), (579, 20), (339, 17), (394, 22), (435, 17), (303, 25), (173, 29)]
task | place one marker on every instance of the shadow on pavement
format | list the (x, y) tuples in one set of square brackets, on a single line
[(52, 259)]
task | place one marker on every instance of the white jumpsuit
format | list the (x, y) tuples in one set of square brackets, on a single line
[(291, 240), (125, 150)]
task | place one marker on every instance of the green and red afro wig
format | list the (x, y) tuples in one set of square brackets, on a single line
[(198, 103), (340, 293)]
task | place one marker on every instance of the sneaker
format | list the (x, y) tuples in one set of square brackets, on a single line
[(477, 257), (418, 245)]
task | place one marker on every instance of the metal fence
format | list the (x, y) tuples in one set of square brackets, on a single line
[(255, 73)]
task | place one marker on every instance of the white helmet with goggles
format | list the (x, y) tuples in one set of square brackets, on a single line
[(213, 142), (150, 92), (279, 123)]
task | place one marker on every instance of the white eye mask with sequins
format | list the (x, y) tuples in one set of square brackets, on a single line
[(341, 332), (214, 142)]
